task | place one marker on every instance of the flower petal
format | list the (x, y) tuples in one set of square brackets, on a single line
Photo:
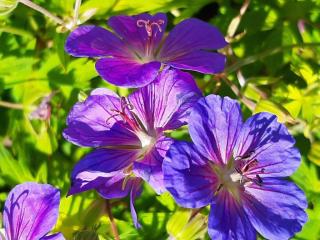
[(92, 122), (135, 34), (117, 186), (165, 103), (276, 209), (188, 176), (92, 41), (149, 168), (270, 143), (191, 35), (135, 192), (214, 125), (227, 220), (31, 210), (97, 167), (127, 73), (57, 236), (200, 61)]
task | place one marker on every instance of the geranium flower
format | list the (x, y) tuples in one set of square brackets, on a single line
[(31, 211), (129, 135), (237, 169), (133, 54)]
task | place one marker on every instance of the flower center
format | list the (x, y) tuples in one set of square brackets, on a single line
[(147, 24), (135, 125), (145, 139), (239, 173)]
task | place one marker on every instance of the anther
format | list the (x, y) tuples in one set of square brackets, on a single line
[(246, 156), (259, 180), (218, 189)]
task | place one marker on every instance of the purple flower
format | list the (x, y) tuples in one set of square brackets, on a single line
[(133, 54), (237, 168), (129, 135), (31, 211)]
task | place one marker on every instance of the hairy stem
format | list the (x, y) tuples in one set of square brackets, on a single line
[(251, 105), (11, 105), (43, 11), (114, 228), (76, 12)]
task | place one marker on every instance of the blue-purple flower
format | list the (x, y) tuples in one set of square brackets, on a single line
[(237, 169), (31, 211), (132, 55), (129, 135)]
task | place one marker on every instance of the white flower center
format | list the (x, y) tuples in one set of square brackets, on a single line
[(145, 139)]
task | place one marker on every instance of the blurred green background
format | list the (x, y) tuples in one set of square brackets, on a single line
[(273, 65)]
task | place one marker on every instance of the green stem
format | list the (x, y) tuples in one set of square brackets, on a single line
[(43, 11), (251, 105), (16, 31), (113, 223), (264, 54)]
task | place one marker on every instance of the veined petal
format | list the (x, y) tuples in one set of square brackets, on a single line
[(188, 176), (191, 35), (93, 41), (126, 72), (270, 143), (200, 61), (149, 168), (214, 125), (227, 220), (100, 165), (134, 30), (95, 122), (276, 208), (31, 210), (166, 102), (57, 236)]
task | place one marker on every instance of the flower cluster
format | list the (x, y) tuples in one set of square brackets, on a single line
[(235, 167)]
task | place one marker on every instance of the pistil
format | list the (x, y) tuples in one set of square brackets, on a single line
[(149, 27)]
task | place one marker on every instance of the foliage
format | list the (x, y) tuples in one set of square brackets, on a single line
[(273, 65)]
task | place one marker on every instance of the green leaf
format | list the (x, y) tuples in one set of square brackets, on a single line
[(59, 41), (42, 174), (14, 171), (278, 110), (311, 230), (7, 6), (307, 178), (183, 226), (314, 154), (167, 200)]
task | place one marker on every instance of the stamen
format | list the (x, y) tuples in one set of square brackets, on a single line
[(148, 25), (250, 164), (218, 189)]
